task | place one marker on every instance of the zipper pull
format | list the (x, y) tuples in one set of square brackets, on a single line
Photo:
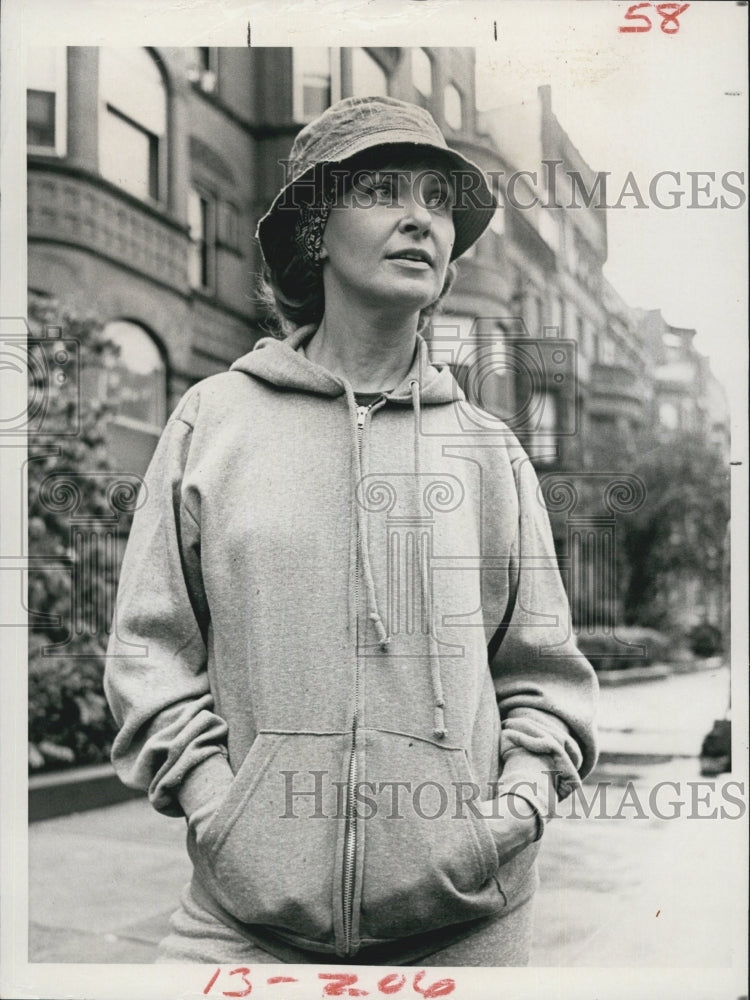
[(361, 415)]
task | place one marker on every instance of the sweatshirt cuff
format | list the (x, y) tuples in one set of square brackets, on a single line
[(205, 786), (532, 777)]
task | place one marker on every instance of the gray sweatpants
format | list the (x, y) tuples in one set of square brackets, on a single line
[(197, 935)]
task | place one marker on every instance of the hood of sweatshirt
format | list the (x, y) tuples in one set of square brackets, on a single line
[(281, 363)]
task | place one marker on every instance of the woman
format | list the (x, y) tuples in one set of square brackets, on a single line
[(342, 647)]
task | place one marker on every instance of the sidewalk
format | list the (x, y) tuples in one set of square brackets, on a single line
[(638, 893)]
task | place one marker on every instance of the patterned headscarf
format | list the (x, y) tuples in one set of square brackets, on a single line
[(310, 225)]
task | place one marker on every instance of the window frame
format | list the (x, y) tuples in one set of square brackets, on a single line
[(125, 420), (155, 153), (60, 146), (161, 172), (211, 200), (298, 90)]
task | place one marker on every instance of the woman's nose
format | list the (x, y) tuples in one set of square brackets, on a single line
[(415, 214)]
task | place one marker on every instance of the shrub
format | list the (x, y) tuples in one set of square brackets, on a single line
[(605, 651), (69, 720), (71, 584), (705, 640)]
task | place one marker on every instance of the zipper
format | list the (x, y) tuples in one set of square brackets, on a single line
[(350, 829)]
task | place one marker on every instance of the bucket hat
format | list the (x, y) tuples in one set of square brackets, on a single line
[(352, 126)]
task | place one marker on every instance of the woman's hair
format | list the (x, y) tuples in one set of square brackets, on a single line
[(293, 294)]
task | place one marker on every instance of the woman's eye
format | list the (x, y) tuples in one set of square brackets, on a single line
[(438, 197), (382, 186)]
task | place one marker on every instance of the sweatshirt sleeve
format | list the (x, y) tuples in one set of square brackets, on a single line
[(171, 743), (546, 689)]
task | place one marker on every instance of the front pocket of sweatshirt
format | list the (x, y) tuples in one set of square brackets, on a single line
[(429, 861), (268, 853)]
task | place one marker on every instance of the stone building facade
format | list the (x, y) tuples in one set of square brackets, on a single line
[(149, 168)]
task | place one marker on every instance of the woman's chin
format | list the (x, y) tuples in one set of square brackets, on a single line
[(411, 296)]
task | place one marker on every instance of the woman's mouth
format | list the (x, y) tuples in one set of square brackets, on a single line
[(416, 265), (417, 259)]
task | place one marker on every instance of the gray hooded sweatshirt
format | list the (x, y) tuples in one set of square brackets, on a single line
[(337, 630)]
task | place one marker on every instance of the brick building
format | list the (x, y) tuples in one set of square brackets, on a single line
[(148, 170)]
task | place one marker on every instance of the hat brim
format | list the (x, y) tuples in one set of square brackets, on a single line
[(472, 213)]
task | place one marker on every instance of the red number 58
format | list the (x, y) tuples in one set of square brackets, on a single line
[(668, 12)]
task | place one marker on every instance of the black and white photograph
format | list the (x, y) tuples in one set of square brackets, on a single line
[(373, 437)]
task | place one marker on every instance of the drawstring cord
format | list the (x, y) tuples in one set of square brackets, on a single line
[(439, 730), (384, 639)]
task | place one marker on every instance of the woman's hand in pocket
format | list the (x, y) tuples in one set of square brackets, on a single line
[(513, 822), (204, 791)]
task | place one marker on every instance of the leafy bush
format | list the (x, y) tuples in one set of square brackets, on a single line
[(718, 742), (69, 720), (605, 651), (705, 640), (77, 512)]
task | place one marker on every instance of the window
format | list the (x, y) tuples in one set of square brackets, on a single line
[(542, 417), (606, 351), (452, 106), (669, 416), (202, 58), (228, 225), (581, 334), (316, 81), (46, 100), (541, 314), (421, 75), (558, 314), (201, 222), (571, 250), (137, 378), (132, 125), (201, 68), (533, 312), (369, 79)]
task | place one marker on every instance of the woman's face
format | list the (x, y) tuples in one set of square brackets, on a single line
[(389, 237)]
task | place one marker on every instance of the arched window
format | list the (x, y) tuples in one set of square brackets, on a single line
[(369, 79), (132, 121), (421, 75), (452, 106), (137, 379)]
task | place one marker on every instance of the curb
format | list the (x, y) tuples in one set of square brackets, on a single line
[(77, 790), (633, 675), (634, 757)]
